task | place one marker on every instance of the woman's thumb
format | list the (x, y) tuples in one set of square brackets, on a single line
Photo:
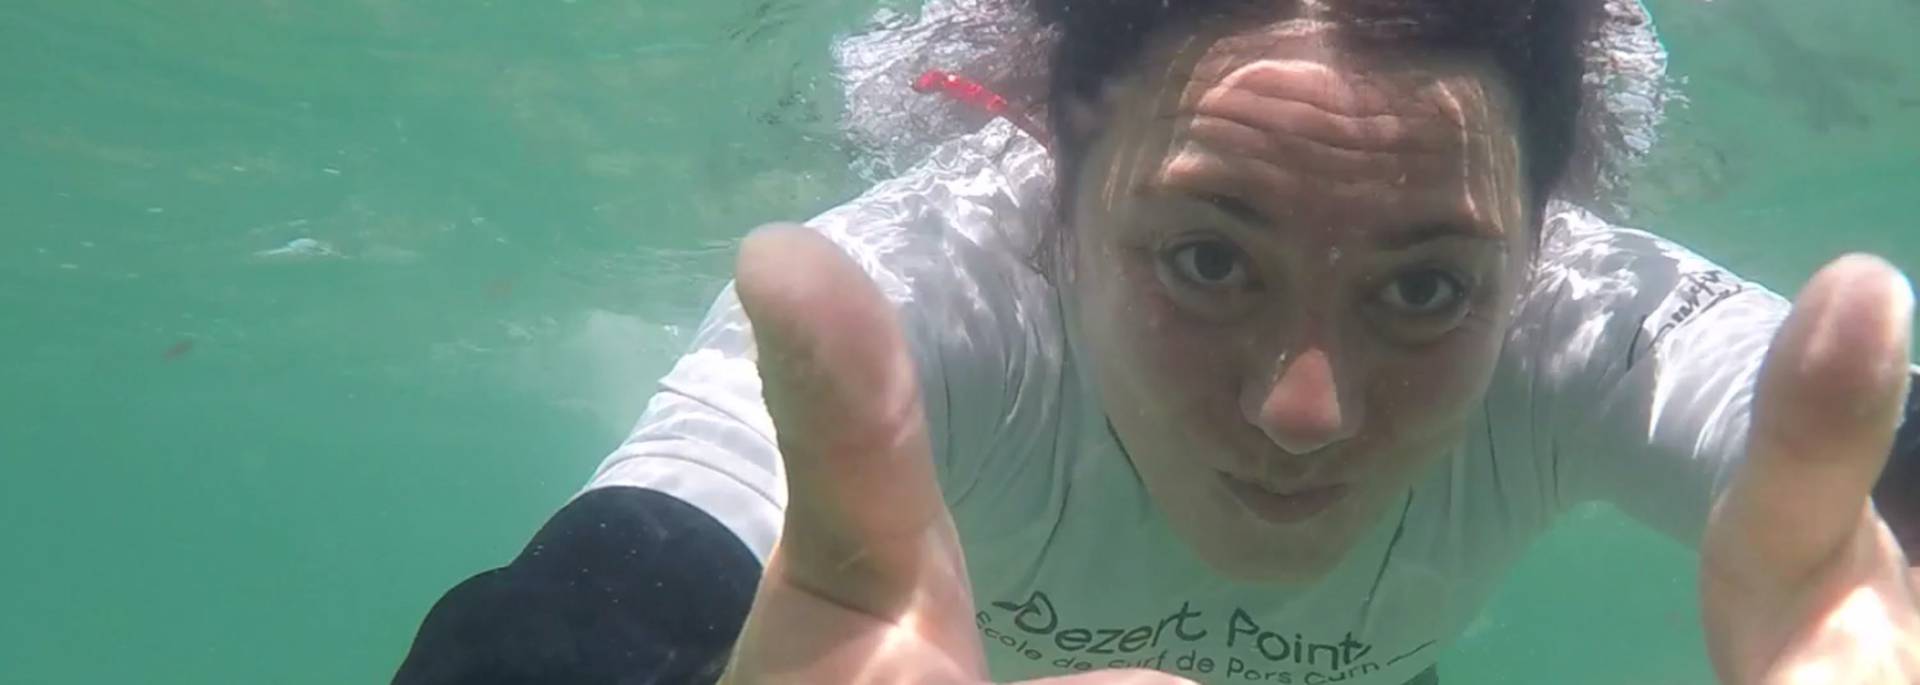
[(865, 521)]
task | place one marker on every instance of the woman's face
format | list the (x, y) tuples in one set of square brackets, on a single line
[(1292, 272)]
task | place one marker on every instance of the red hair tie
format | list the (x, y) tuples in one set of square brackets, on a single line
[(971, 93), (968, 91)]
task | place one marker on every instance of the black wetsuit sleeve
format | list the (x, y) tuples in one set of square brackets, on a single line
[(623, 585), (1897, 495)]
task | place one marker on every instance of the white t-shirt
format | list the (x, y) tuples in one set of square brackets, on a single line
[(1626, 377)]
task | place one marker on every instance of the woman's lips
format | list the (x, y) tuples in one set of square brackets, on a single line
[(1274, 507)]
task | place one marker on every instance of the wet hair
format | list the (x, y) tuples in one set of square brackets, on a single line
[(1538, 45)]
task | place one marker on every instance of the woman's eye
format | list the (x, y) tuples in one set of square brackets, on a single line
[(1426, 292), (1210, 264)]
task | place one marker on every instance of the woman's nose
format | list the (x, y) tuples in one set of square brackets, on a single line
[(1303, 410)]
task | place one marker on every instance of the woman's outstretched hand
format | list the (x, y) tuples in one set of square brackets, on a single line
[(867, 583), (1801, 581)]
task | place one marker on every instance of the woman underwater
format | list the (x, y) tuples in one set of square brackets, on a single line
[(1265, 367)]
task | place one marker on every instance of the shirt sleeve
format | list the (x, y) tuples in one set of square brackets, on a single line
[(933, 242), (1643, 358)]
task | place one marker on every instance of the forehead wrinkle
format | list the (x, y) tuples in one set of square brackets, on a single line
[(1282, 140), (1328, 109), (1408, 139), (1269, 188), (1431, 105), (1222, 98), (1226, 137), (1307, 81)]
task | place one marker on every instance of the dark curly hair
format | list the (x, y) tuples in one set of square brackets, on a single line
[(1539, 45)]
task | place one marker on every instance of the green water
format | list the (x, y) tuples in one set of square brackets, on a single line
[(223, 466)]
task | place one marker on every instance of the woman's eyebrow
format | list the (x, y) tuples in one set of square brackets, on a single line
[(1235, 207), (1389, 240), (1422, 233)]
